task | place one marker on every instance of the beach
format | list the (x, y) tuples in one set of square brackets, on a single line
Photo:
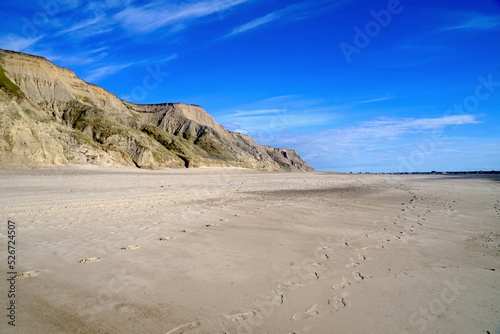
[(231, 250)]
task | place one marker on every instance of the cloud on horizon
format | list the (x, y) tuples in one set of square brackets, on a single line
[(368, 142)]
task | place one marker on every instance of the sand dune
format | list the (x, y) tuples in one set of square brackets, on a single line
[(240, 251)]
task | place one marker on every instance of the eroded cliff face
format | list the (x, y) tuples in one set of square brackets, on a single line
[(48, 116)]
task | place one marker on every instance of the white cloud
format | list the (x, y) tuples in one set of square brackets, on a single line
[(292, 12), (254, 24), (396, 127), (270, 122), (474, 21), (276, 15), (83, 58), (148, 18), (374, 143), (80, 25), (273, 116), (17, 43), (104, 71), (279, 98), (257, 112), (379, 99)]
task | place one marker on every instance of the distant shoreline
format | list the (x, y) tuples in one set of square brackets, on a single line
[(493, 172)]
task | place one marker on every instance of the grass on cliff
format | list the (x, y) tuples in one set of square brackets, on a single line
[(172, 143), (8, 86), (192, 153), (102, 128)]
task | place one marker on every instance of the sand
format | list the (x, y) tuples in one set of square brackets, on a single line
[(237, 251)]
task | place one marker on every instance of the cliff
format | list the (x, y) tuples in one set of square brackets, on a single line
[(48, 116)]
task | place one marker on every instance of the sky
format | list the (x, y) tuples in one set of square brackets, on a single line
[(351, 85)]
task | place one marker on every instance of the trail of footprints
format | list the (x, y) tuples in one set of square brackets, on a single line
[(53, 207), (184, 231), (277, 298), (221, 220), (44, 211), (401, 227)]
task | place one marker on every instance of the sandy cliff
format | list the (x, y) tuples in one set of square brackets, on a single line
[(49, 116)]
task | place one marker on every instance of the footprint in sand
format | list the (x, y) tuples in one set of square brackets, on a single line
[(358, 277), (131, 247), (277, 299), (90, 259), (310, 312), (341, 285), (28, 274), (338, 302), (210, 225), (324, 256), (313, 275), (165, 238), (286, 284), (361, 257), (184, 328), (352, 265), (187, 231), (241, 316)]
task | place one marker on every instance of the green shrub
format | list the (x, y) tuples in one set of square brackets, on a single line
[(8, 86)]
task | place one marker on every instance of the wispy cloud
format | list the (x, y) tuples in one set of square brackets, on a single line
[(280, 14), (104, 71), (80, 25), (474, 21), (257, 112), (164, 60), (279, 98), (254, 24), (91, 56), (18, 43), (264, 124), (379, 99), (156, 15), (376, 141), (393, 128), (274, 116), (289, 13)]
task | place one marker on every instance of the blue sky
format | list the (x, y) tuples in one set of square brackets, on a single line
[(352, 85)]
